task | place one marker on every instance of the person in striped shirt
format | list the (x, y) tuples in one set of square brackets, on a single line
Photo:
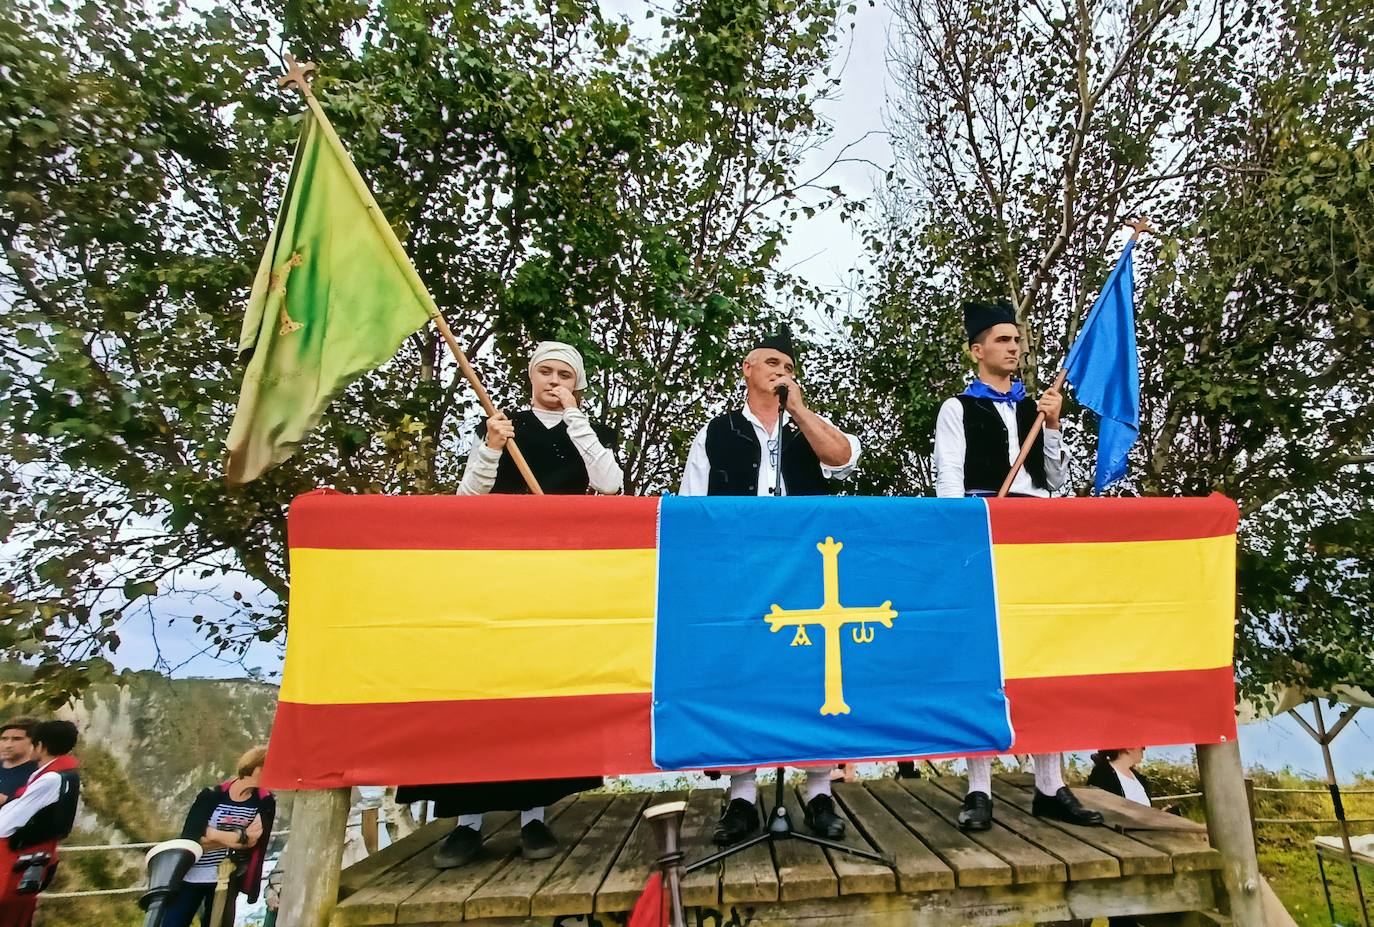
[(232, 820)]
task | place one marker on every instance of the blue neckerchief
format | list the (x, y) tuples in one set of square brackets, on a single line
[(980, 390)]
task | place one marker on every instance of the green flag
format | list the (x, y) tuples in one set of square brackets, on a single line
[(335, 295)]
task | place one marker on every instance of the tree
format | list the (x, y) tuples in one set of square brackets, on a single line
[(550, 174), (1243, 130)]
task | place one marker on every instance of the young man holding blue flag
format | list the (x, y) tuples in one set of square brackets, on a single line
[(978, 436), (739, 453)]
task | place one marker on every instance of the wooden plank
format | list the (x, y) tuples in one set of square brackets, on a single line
[(972, 864), (442, 897), (1187, 851), (1082, 860), (858, 876), (1127, 816), (508, 892), (803, 871), (985, 906), (381, 900), (917, 866), (1134, 857), (698, 826), (1028, 863), (750, 875), (1142, 895), (571, 889), (626, 876), (365, 870)]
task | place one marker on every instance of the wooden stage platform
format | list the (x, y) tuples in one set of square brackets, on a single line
[(1024, 870)]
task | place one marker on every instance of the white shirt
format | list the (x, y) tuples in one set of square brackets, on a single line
[(1131, 788), (603, 473), (950, 448), (697, 477), (43, 789)]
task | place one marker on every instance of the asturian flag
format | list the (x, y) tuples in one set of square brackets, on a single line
[(1105, 372), (825, 626)]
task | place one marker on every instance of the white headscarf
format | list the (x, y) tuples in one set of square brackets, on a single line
[(557, 350)]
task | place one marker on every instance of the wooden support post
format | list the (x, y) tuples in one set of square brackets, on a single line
[(368, 819), (1230, 830), (1254, 809), (314, 853)]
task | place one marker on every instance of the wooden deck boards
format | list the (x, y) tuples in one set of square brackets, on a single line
[(1023, 866)]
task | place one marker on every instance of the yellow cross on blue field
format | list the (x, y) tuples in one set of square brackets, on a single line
[(832, 617)]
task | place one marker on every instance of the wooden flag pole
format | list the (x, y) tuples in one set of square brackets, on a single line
[(1140, 225), (298, 73)]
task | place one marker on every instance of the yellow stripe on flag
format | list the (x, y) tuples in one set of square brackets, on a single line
[(371, 626), (1128, 607)]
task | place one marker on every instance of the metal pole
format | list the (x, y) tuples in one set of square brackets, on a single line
[(1325, 741), (666, 821)]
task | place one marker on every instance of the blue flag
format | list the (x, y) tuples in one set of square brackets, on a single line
[(808, 628), (1105, 373)]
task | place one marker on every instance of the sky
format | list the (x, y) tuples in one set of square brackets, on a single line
[(823, 250)]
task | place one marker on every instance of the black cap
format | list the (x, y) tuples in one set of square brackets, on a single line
[(781, 341), (980, 316)]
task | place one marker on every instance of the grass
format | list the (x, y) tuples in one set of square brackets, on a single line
[(1286, 856)]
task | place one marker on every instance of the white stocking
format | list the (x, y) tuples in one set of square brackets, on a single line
[(980, 774)]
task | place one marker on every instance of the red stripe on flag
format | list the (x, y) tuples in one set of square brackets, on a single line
[(1089, 521), (328, 519), (421, 743), (1054, 714)]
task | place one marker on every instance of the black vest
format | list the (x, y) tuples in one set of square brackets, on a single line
[(985, 445), (53, 822), (733, 450), (550, 453)]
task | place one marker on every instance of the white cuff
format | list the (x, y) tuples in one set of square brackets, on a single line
[(479, 476), (603, 473)]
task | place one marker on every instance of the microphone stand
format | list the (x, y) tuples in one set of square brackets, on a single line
[(780, 825), (777, 469)]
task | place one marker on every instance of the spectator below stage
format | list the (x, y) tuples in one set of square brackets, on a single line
[(232, 820), (16, 755), (35, 820), (1115, 771)]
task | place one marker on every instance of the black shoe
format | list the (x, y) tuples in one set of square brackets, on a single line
[(740, 819), (537, 841), (822, 820), (976, 813), (1063, 806), (906, 769), (459, 848)]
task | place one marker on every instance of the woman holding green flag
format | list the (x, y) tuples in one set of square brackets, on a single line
[(569, 455)]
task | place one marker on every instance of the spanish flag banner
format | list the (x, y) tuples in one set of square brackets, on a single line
[(450, 639)]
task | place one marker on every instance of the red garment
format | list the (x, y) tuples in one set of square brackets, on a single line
[(650, 909), (17, 910)]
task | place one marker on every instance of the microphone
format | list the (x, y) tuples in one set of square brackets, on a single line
[(782, 396)]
